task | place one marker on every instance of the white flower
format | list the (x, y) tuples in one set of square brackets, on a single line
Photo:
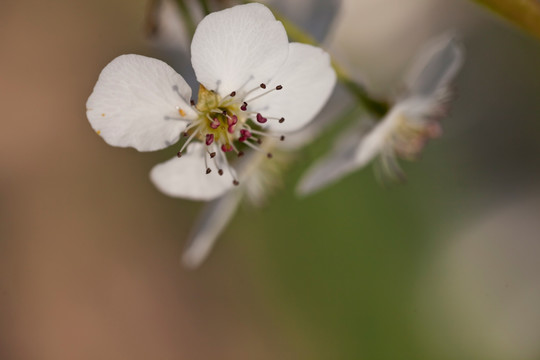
[(253, 82), (404, 130)]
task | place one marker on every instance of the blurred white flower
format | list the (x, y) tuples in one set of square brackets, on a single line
[(406, 127), (253, 82)]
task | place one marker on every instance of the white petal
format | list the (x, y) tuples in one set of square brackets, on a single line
[(307, 79), (340, 100), (135, 102), (213, 220), (374, 142), (186, 177), (238, 48), (341, 161), (436, 67)]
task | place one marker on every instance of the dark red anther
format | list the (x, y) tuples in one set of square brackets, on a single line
[(269, 155), (230, 129), (212, 155), (215, 123), (242, 138), (220, 172), (261, 119), (226, 147), (282, 137), (179, 154), (244, 106), (192, 102), (263, 86), (209, 139), (185, 133), (279, 87), (233, 94), (208, 171), (281, 120), (232, 120), (245, 133), (240, 154), (235, 183)]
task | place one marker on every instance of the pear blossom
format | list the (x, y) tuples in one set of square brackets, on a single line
[(261, 177), (255, 86), (406, 127)]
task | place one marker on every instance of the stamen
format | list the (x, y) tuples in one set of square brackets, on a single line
[(226, 148), (230, 169), (213, 156), (208, 170), (232, 120), (280, 137), (179, 154), (215, 123), (253, 146), (244, 106), (209, 139), (261, 119), (279, 87)]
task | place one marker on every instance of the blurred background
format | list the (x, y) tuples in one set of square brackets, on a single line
[(444, 266)]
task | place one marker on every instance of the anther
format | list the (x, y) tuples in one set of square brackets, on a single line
[(281, 120), (232, 120), (240, 154), (269, 155), (261, 119), (192, 102), (226, 147), (282, 137), (212, 155), (259, 141), (263, 86), (179, 154), (279, 87), (215, 123), (209, 139), (208, 171), (236, 183), (220, 172), (185, 133), (244, 106), (233, 94)]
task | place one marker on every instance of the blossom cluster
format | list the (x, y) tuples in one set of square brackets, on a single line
[(255, 89)]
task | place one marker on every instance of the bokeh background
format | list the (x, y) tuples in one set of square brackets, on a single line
[(444, 266)]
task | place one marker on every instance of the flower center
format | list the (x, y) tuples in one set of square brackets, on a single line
[(226, 125)]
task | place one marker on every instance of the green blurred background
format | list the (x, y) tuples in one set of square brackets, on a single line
[(444, 266)]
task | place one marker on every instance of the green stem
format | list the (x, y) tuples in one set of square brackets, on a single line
[(523, 13), (205, 6)]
